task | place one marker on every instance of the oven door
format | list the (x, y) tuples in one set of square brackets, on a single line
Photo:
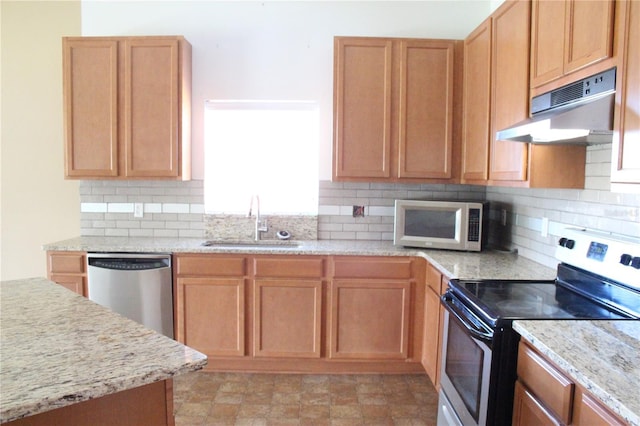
[(466, 363)]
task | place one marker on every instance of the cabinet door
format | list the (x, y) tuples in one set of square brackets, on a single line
[(589, 33), (546, 382), (430, 347), (547, 40), (287, 318), (510, 88), (362, 108), (151, 107), (426, 109), (431, 330), (528, 411), (369, 319), (210, 315), (587, 411), (477, 85), (90, 87), (626, 141)]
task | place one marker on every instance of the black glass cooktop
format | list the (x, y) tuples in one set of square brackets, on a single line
[(497, 300)]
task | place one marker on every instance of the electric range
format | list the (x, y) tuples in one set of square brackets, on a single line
[(598, 278)]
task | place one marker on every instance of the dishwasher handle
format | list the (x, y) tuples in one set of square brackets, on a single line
[(129, 264)]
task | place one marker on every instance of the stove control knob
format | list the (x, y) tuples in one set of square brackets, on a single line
[(625, 259), (562, 242), (570, 244), (635, 262)]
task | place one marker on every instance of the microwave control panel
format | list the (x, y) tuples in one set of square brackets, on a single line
[(473, 233)]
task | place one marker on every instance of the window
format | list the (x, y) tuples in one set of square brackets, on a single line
[(264, 148)]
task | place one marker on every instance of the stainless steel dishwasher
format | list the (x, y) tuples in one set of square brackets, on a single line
[(137, 286)]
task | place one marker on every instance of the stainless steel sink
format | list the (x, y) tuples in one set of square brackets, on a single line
[(250, 244)]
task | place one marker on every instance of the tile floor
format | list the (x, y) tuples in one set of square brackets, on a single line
[(303, 399)]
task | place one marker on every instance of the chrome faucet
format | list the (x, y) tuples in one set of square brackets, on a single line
[(261, 225)]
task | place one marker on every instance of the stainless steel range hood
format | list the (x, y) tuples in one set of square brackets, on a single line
[(578, 113)]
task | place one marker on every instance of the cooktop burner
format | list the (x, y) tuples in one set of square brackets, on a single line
[(509, 300)]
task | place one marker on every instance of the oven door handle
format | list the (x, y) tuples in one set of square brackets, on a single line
[(480, 333)]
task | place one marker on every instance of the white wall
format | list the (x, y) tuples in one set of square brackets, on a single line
[(37, 205), (275, 49)]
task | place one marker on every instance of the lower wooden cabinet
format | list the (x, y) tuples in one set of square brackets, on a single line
[(529, 411), (301, 312), (150, 404), (372, 300), (210, 315), (287, 303), (370, 319), (544, 395), (210, 303), (436, 285), (69, 269)]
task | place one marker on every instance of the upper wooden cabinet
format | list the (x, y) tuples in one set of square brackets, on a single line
[(569, 35), (127, 106), (394, 110), (509, 89), (476, 104), (625, 171), (497, 96)]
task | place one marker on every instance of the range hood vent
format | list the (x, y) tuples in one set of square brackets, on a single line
[(578, 113)]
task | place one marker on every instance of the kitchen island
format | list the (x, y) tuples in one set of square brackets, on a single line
[(601, 356), (65, 357)]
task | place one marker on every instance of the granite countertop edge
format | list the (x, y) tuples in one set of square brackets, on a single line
[(488, 264), (59, 348), (573, 345)]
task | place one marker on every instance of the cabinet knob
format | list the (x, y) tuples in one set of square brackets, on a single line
[(625, 259), (565, 242)]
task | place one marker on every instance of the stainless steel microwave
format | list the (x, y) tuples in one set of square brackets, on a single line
[(451, 225)]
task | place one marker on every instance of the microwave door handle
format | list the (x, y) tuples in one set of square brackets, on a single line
[(480, 334)]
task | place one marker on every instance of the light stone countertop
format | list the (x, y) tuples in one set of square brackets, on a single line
[(455, 264), (617, 385), (602, 356), (58, 348)]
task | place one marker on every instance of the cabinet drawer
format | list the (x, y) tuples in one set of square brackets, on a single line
[(289, 267), (373, 267), (546, 382), (66, 262), (209, 265)]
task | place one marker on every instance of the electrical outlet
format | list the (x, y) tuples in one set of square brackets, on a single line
[(138, 210), (503, 217), (358, 211)]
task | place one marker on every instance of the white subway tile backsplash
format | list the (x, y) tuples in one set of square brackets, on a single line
[(381, 211), (176, 209), (120, 207), (196, 208), (152, 208), (328, 210), (93, 207)]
